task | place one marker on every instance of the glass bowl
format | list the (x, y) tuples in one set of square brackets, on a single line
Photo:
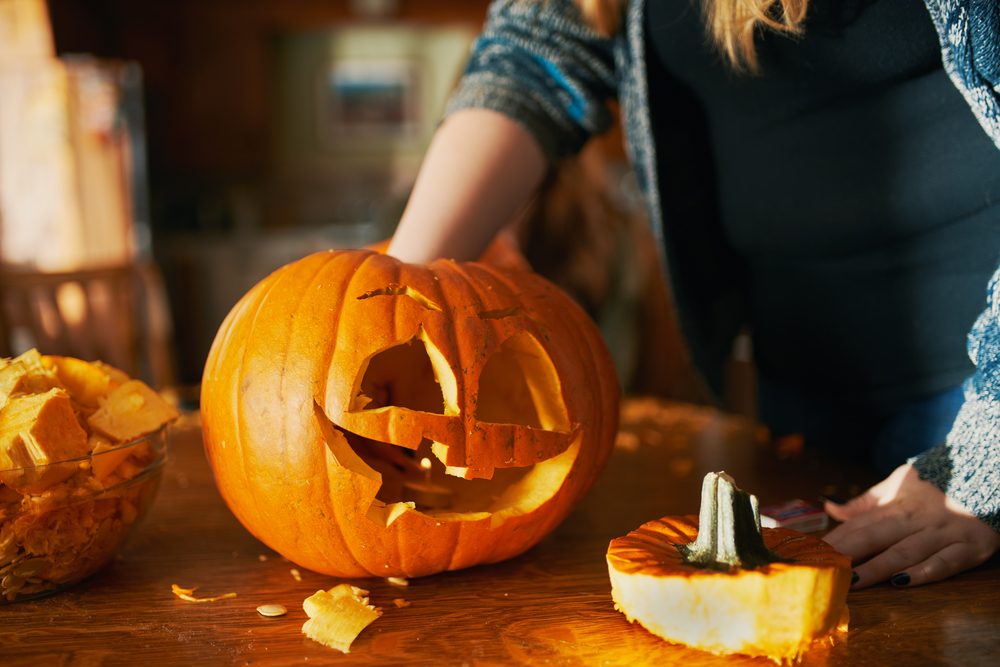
[(70, 518)]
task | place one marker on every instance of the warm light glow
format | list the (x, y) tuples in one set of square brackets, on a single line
[(72, 302), (425, 463)]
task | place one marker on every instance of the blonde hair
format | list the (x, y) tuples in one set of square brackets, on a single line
[(731, 24)]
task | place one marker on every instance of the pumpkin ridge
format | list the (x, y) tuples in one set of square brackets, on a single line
[(507, 291), (456, 550), (338, 515), (319, 438), (451, 334), (397, 270), (509, 445), (606, 419), (574, 318), (231, 325), (459, 275), (272, 283), (324, 260), (293, 322), (323, 380)]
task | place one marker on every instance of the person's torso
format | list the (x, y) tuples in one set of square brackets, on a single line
[(855, 182)]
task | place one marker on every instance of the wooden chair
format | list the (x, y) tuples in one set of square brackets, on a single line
[(118, 315)]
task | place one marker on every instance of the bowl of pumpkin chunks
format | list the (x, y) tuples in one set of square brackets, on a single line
[(82, 450)]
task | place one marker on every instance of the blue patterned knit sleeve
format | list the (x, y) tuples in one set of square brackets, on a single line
[(967, 465), (969, 33), (537, 63)]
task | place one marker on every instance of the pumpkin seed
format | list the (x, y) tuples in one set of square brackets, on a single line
[(30, 567), (272, 610), (10, 585), (8, 551), (32, 588)]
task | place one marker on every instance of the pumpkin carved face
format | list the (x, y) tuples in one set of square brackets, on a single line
[(368, 417)]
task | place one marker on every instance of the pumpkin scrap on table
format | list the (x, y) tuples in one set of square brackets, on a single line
[(720, 583), (405, 419), (337, 616), (187, 594)]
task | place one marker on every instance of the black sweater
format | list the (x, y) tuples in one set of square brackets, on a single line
[(819, 185)]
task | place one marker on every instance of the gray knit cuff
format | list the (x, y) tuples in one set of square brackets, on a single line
[(966, 467)]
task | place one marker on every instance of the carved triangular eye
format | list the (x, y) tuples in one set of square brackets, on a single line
[(519, 385), (403, 376)]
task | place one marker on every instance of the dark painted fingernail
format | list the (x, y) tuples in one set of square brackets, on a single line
[(854, 578), (836, 500), (901, 579)]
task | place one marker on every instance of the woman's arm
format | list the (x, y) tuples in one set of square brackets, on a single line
[(479, 171), (535, 89)]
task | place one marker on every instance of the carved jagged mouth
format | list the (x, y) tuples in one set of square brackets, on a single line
[(419, 477), (518, 388), (415, 480)]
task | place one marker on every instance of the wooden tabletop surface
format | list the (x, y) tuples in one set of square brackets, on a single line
[(551, 605)]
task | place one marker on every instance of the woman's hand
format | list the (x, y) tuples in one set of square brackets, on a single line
[(906, 530)]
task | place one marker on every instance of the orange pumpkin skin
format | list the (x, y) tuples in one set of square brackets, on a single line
[(777, 610), (285, 381)]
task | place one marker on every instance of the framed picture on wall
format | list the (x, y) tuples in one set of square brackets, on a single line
[(365, 98)]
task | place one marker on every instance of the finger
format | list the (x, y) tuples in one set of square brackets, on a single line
[(901, 555), (949, 561), (852, 508), (871, 533)]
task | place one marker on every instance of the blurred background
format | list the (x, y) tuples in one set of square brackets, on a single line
[(159, 158)]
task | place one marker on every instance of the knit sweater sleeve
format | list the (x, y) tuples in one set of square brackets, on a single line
[(537, 63), (967, 466)]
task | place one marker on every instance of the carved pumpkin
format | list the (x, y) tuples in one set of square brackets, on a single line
[(730, 587), (368, 417)]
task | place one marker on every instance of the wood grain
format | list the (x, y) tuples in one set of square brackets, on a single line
[(551, 605)]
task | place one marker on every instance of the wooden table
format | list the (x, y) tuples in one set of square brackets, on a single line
[(550, 606)]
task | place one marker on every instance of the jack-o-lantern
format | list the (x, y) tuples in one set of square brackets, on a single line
[(364, 416)]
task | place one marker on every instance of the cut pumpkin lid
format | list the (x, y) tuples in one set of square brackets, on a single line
[(684, 586)]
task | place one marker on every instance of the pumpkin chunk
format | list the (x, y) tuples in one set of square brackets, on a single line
[(724, 585), (24, 375), (86, 382), (38, 430), (131, 410), (106, 456), (337, 616)]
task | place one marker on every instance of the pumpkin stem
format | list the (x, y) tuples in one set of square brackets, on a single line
[(728, 528)]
